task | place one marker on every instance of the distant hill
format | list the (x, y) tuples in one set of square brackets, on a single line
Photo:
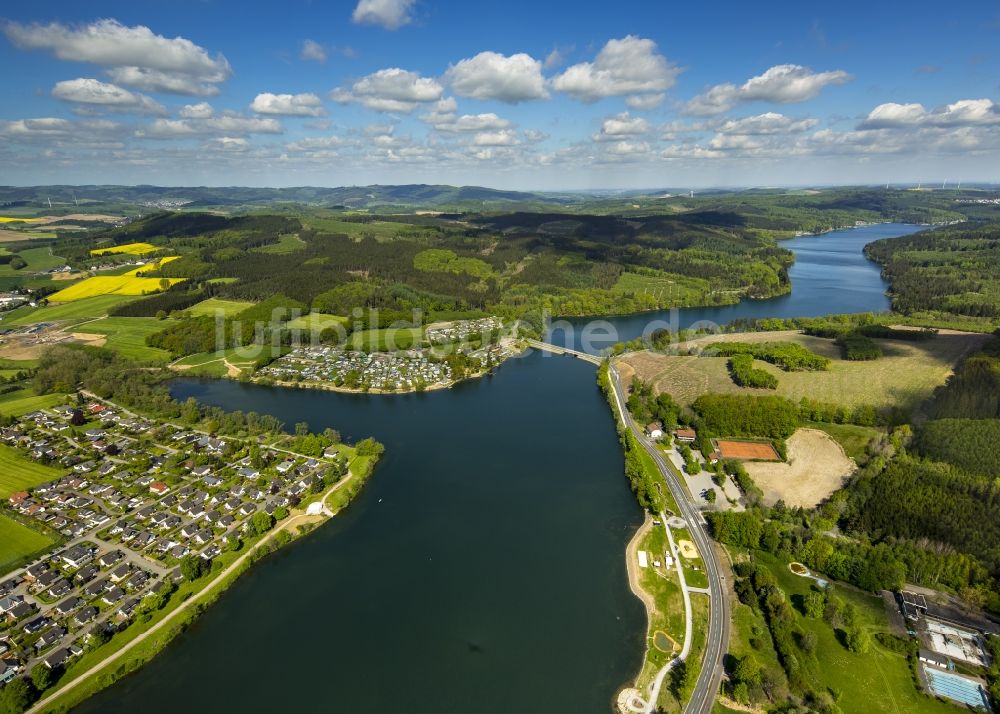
[(405, 196)]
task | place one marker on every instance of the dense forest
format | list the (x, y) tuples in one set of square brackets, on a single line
[(954, 270)]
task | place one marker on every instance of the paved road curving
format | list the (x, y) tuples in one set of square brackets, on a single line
[(717, 642)]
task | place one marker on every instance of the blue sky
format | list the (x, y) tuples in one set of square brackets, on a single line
[(516, 94)]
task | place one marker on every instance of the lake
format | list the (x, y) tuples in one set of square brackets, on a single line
[(481, 569)]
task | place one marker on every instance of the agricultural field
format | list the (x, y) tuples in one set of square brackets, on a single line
[(128, 283), (438, 260), (18, 473), (127, 335), (17, 542), (23, 401), (127, 248), (84, 309), (904, 376), (213, 305), (17, 219)]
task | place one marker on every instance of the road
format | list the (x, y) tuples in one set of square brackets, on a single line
[(717, 642)]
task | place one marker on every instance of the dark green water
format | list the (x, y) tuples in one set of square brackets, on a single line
[(481, 570)]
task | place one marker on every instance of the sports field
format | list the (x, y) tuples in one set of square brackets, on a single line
[(17, 542), (746, 450), (18, 472), (905, 376)]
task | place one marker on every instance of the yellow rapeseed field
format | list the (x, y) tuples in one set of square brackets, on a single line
[(14, 219), (129, 248), (126, 284)]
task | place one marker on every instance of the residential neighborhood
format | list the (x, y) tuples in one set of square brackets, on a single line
[(141, 507)]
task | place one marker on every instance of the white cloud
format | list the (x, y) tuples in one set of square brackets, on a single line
[(533, 135), (109, 96), (781, 84), (628, 148), (490, 75), (62, 131), (622, 125), (390, 14), (964, 112), (468, 123), (554, 59), (629, 66), (645, 102), (391, 90), (767, 123), (316, 143), (289, 105), (312, 51), (136, 55), (153, 80), (224, 125), (228, 144), (201, 110), (505, 137)]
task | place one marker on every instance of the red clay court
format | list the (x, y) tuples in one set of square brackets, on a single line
[(746, 450)]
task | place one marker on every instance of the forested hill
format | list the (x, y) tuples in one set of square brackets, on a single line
[(354, 197), (950, 272)]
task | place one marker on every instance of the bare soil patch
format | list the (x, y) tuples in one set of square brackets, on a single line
[(817, 466)]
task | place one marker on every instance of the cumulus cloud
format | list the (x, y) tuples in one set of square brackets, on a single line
[(645, 102), (312, 51), (965, 112), (109, 96), (201, 110), (390, 14), (135, 56), (505, 137), (767, 123), (628, 148), (317, 143), (224, 125), (227, 144), (469, 123), (391, 90), (781, 84), (490, 75), (289, 105), (57, 131), (622, 125), (629, 66)]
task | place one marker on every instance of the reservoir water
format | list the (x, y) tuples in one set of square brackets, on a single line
[(481, 569)]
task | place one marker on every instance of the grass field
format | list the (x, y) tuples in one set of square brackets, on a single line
[(905, 376), (317, 320), (377, 340), (127, 335), (18, 473), (854, 439), (879, 681), (665, 287), (127, 248), (223, 363), (76, 310), (212, 305), (287, 243), (23, 401), (36, 259), (18, 542)]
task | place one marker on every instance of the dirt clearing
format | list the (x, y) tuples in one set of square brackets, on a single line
[(817, 466)]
